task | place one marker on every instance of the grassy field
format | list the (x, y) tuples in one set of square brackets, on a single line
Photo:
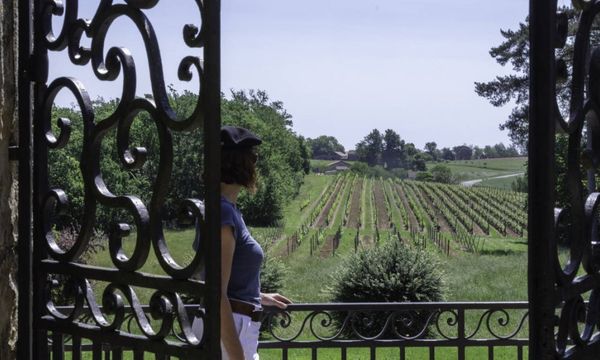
[(495, 273), (481, 169), (503, 183)]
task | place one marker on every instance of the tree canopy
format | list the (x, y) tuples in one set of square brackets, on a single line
[(283, 159), (324, 146), (514, 88)]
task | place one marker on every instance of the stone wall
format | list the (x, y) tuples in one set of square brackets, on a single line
[(8, 203)]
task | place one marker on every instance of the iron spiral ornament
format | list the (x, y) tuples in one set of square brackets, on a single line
[(117, 314)]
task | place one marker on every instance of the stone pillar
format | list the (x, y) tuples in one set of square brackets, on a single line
[(8, 199)]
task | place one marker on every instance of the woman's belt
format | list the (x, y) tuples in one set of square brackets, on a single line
[(244, 308)]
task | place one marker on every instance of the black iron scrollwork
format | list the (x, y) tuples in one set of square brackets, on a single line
[(578, 278), (112, 64), (400, 322)]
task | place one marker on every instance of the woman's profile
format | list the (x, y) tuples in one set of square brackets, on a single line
[(241, 254)]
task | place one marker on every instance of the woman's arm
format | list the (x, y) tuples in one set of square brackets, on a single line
[(229, 335)]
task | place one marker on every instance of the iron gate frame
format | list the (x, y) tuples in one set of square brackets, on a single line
[(550, 284), (34, 262)]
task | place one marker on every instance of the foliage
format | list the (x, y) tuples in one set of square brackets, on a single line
[(519, 184), (272, 274), (324, 146), (392, 272), (432, 150), (370, 148), (376, 171), (441, 174), (390, 151), (283, 159), (63, 285), (393, 155), (462, 152), (424, 176), (514, 88), (447, 154)]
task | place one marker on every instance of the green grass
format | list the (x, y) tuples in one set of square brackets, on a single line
[(310, 190), (472, 353), (504, 183), (481, 169), (496, 274)]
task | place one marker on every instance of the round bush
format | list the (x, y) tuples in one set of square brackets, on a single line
[(393, 272)]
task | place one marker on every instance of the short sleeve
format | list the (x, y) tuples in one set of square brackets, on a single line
[(228, 216)]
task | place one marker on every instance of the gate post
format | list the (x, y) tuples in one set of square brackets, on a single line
[(541, 186)]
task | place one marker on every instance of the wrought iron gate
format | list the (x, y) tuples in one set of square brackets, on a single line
[(571, 332), (168, 333)]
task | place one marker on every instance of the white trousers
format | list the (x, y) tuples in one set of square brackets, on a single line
[(247, 331)]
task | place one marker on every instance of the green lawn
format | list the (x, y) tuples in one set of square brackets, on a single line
[(481, 169), (496, 274), (503, 183)]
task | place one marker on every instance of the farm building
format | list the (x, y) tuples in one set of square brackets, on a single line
[(337, 166), (336, 155)]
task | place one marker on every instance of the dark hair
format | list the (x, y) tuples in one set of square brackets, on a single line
[(238, 166)]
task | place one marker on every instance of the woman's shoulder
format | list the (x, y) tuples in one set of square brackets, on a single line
[(228, 210)]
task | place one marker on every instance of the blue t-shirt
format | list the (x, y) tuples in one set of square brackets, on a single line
[(244, 280)]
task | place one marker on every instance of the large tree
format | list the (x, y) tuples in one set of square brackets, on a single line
[(393, 152), (431, 149), (462, 152), (370, 149), (514, 88), (447, 154), (324, 146)]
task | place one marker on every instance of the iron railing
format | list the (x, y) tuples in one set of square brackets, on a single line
[(397, 328)]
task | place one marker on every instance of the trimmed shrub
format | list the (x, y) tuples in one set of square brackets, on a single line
[(272, 274), (390, 273)]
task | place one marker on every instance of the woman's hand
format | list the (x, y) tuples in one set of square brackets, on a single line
[(274, 299)]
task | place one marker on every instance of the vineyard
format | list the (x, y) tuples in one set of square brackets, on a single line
[(364, 211)]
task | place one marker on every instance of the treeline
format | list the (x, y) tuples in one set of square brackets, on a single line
[(390, 151), (283, 159), (470, 152)]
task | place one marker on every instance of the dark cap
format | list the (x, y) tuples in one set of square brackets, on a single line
[(233, 137)]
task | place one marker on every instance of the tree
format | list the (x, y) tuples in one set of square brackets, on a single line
[(447, 154), (431, 149), (514, 88), (305, 154), (392, 151), (441, 174), (283, 160), (477, 152), (418, 162), (324, 146), (490, 152), (370, 149), (462, 152)]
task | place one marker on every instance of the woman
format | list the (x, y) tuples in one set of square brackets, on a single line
[(241, 255)]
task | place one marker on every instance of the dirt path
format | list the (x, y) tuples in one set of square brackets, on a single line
[(411, 216), (354, 215), (470, 183), (511, 233), (327, 248), (382, 215), (477, 230), (320, 223)]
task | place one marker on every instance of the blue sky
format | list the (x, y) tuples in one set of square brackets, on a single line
[(345, 67)]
